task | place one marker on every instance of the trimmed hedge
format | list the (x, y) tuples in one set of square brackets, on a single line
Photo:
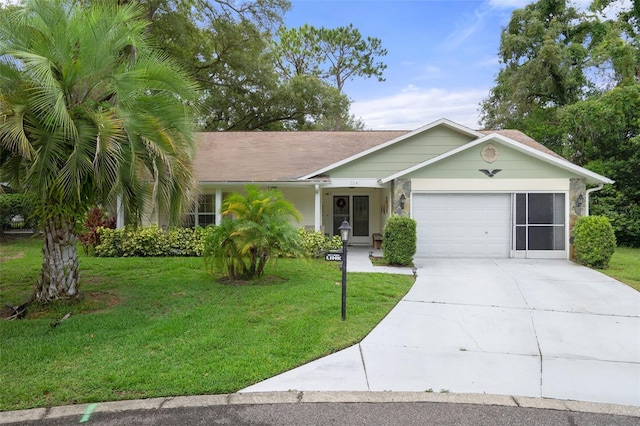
[(399, 240), (315, 243), (594, 241), (150, 241)]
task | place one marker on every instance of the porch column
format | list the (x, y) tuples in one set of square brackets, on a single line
[(218, 205), (318, 209), (119, 212)]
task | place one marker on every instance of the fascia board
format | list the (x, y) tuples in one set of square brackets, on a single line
[(564, 164), (443, 121)]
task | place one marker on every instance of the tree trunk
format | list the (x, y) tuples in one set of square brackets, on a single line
[(59, 274)]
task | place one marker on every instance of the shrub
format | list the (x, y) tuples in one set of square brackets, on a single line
[(110, 242), (399, 240), (150, 241), (594, 241), (316, 243), (186, 241)]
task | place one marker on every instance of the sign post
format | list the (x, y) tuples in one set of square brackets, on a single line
[(345, 231)]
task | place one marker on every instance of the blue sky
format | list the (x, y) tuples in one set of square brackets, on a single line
[(442, 57)]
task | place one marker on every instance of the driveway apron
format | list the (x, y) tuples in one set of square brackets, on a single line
[(539, 328)]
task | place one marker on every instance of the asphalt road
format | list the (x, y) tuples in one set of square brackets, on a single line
[(352, 414)]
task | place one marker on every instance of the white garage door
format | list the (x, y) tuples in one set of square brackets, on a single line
[(463, 225)]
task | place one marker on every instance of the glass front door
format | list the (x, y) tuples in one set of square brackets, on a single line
[(355, 209)]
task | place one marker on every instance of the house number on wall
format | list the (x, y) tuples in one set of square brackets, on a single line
[(353, 183)]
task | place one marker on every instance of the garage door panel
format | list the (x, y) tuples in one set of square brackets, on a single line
[(463, 225)]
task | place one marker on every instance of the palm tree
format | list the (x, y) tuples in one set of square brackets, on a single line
[(89, 111), (255, 228)]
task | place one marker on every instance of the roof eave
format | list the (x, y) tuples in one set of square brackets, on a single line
[(591, 177)]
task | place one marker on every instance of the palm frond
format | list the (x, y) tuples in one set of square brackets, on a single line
[(91, 111)]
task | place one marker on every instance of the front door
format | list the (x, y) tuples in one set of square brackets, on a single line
[(355, 209)]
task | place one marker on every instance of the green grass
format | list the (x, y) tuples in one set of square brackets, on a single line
[(625, 266), (162, 326)]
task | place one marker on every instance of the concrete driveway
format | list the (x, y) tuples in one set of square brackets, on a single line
[(538, 328)]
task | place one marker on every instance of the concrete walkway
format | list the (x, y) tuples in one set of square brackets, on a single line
[(532, 328), (358, 261)]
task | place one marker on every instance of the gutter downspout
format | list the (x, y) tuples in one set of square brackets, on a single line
[(589, 191)]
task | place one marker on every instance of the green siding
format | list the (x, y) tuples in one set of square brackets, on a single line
[(514, 165), (402, 155)]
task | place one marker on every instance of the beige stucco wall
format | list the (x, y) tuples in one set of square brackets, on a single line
[(304, 200)]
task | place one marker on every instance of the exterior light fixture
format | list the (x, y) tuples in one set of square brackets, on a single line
[(403, 201), (580, 200), (345, 232)]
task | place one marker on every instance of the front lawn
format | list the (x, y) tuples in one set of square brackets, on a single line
[(625, 266), (151, 327)]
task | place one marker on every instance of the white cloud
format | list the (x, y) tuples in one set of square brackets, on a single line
[(465, 29), (414, 107), (509, 4), (431, 69), (614, 8)]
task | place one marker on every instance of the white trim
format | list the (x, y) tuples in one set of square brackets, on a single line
[(490, 185), (564, 164), (443, 121), (283, 184), (544, 254), (354, 183)]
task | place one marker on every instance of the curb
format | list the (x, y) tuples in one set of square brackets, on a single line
[(295, 397)]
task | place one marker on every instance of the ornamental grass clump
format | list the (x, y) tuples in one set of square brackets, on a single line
[(594, 241)]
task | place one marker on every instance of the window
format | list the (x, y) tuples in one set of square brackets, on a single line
[(540, 221), (204, 213)]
